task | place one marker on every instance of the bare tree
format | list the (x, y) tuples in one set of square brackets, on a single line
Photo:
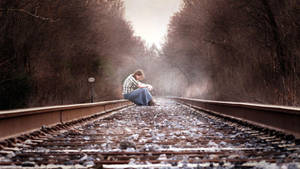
[(247, 49), (50, 48)]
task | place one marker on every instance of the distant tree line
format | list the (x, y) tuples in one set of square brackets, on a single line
[(242, 50), (49, 48)]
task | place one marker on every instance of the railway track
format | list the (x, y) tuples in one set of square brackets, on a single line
[(170, 135)]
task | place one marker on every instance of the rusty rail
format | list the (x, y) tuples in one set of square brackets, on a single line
[(170, 135), (279, 118), (16, 122)]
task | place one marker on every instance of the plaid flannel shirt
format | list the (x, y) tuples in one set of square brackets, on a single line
[(130, 84)]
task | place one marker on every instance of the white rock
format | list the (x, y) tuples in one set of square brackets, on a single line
[(162, 157), (83, 158), (212, 144), (28, 141), (86, 138)]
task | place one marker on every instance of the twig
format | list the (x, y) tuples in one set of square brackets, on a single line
[(30, 14)]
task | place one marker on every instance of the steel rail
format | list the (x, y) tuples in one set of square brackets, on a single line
[(283, 119), (21, 121)]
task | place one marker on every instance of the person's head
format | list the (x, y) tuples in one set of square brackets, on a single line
[(139, 74)]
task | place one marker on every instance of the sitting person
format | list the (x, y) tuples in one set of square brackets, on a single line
[(136, 91)]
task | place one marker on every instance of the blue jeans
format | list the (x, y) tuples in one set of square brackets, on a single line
[(140, 96)]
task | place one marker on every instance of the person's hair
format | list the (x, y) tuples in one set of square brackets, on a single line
[(139, 72)]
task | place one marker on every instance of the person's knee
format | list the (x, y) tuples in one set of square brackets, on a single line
[(144, 89)]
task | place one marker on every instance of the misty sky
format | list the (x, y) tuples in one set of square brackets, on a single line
[(150, 18)]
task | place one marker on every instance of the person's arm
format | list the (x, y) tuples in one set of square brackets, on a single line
[(143, 85), (140, 84)]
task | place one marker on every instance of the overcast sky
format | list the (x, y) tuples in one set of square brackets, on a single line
[(150, 18)]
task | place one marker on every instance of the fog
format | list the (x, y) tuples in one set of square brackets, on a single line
[(149, 18)]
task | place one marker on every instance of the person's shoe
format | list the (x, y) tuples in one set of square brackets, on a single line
[(152, 103)]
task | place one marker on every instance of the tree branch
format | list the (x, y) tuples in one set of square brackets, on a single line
[(30, 14)]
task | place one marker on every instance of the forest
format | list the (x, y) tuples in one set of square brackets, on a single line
[(50, 48), (220, 50), (232, 50)]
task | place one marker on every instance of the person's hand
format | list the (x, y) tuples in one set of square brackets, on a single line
[(149, 87)]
